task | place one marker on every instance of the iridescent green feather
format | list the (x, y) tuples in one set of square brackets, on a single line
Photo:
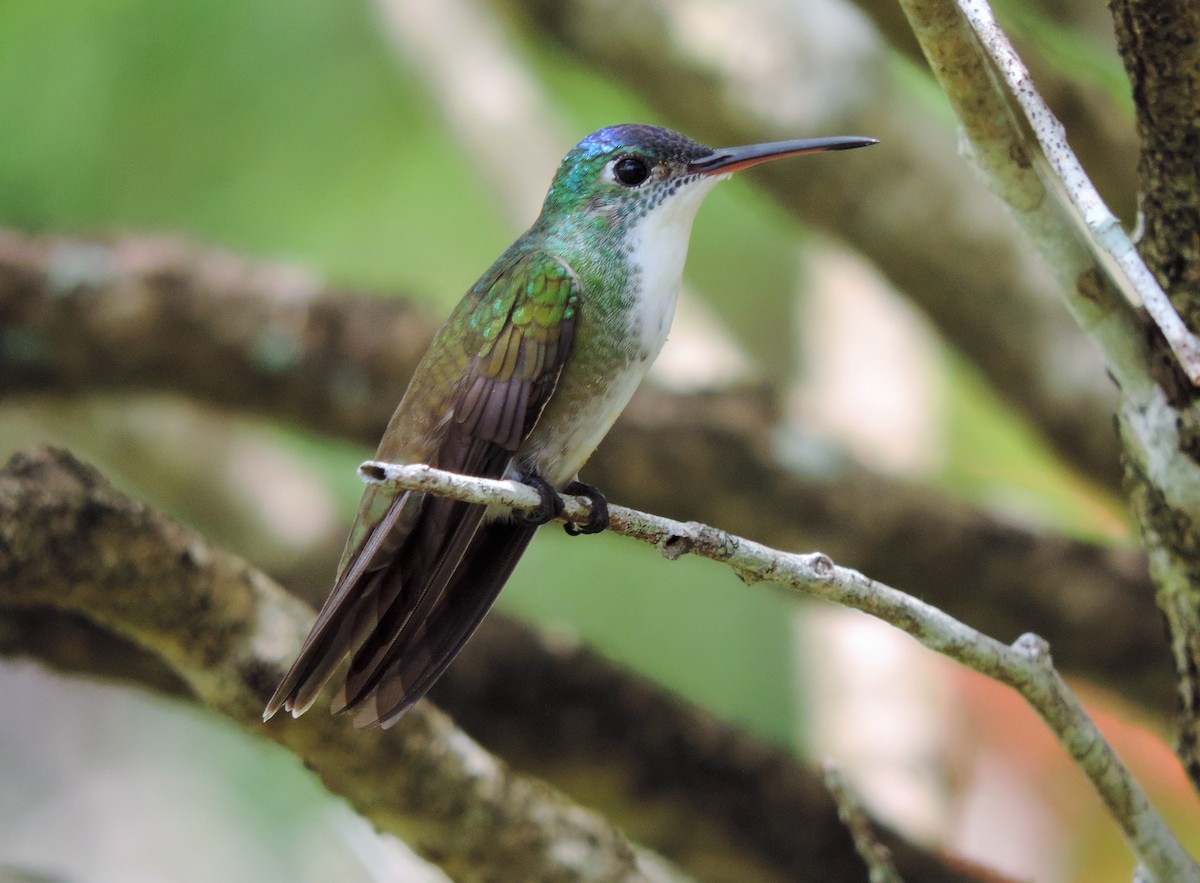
[(513, 330)]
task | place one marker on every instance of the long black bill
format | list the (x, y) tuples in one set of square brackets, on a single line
[(724, 160)]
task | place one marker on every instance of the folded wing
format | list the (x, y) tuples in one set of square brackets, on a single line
[(420, 573)]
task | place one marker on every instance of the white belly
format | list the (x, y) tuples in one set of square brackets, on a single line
[(560, 452), (577, 418)]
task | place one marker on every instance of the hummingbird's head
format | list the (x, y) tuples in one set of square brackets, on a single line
[(621, 206), (617, 176)]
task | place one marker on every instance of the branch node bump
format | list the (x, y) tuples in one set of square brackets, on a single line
[(822, 566), (1033, 647)]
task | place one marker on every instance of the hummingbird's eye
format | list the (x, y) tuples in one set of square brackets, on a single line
[(631, 170)]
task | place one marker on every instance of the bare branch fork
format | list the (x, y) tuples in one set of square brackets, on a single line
[(1107, 237), (1096, 266), (1097, 270), (1025, 665), (947, 39)]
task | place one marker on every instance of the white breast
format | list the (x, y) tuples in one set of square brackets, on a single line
[(658, 247), (657, 250)]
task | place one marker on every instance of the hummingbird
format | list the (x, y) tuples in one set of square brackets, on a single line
[(522, 382)]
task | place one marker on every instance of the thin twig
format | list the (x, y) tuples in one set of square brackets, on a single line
[(873, 853), (1025, 665)]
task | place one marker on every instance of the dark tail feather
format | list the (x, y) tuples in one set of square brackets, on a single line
[(429, 643), (431, 556), (343, 620)]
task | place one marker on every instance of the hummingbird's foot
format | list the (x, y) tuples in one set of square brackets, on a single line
[(548, 509), (597, 518)]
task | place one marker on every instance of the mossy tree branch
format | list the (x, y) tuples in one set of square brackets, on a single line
[(210, 625), (71, 542), (1024, 665)]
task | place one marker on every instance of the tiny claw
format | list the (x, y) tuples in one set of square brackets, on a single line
[(548, 509), (597, 517)]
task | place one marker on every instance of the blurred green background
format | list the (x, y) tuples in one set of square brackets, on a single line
[(293, 131)]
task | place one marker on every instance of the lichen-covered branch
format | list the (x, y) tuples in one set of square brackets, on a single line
[(703, 458), (1013, 166), (71, 542), (1025, 665), (200, 322), (1158, 43), (85, 572), (1157, 412), (1105, 238), (1095, 121)]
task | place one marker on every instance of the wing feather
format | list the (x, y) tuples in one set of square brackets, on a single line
[(420, 573), (480, 576)]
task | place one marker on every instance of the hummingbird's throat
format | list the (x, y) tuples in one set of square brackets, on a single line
[(657, 245)]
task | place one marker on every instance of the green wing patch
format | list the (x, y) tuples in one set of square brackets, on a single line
[(523, 339)]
